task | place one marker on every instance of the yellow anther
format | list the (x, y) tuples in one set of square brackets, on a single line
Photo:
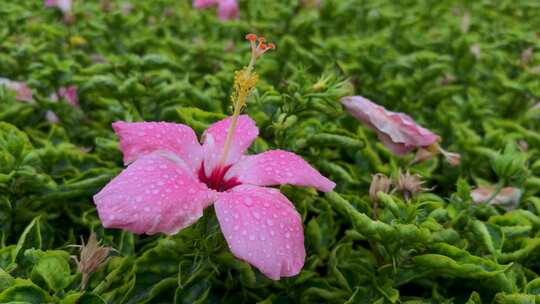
[(244, 82)]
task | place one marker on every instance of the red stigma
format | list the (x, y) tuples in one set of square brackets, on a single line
[(251, 37), (259, 45), (216, 180)]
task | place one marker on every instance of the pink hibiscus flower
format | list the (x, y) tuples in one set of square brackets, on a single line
[(69, 94), (227, 9), (63, 5), (23, 92), (172, 178), (397, 131)]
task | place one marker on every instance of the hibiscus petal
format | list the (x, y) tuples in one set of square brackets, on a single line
[(278, 167), (398, 131), (396, 148), (227, 9), (262, 227), (154, 194), (214, 140), (140, 138)]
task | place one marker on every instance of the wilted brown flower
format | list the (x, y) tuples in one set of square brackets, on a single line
[(526, 55), (379, 183), (410, 185), (91, 256), (448, 79), (466, 22), (476, 50)]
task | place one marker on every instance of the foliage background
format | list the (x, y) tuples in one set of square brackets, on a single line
[(165, 61)]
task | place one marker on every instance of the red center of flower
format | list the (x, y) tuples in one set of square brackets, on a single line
[(216, 180)]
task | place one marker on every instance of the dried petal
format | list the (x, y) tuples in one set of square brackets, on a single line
[(508, 197), (397, 131)]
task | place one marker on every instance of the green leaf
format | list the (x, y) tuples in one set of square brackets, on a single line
[(24, 291), (30, 238), (53, 268)]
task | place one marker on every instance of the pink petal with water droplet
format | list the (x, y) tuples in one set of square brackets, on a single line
[(214, 140), (278, 167), (140, 138), (262, 227), (154, 194), (228, 9), (397, 131)]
